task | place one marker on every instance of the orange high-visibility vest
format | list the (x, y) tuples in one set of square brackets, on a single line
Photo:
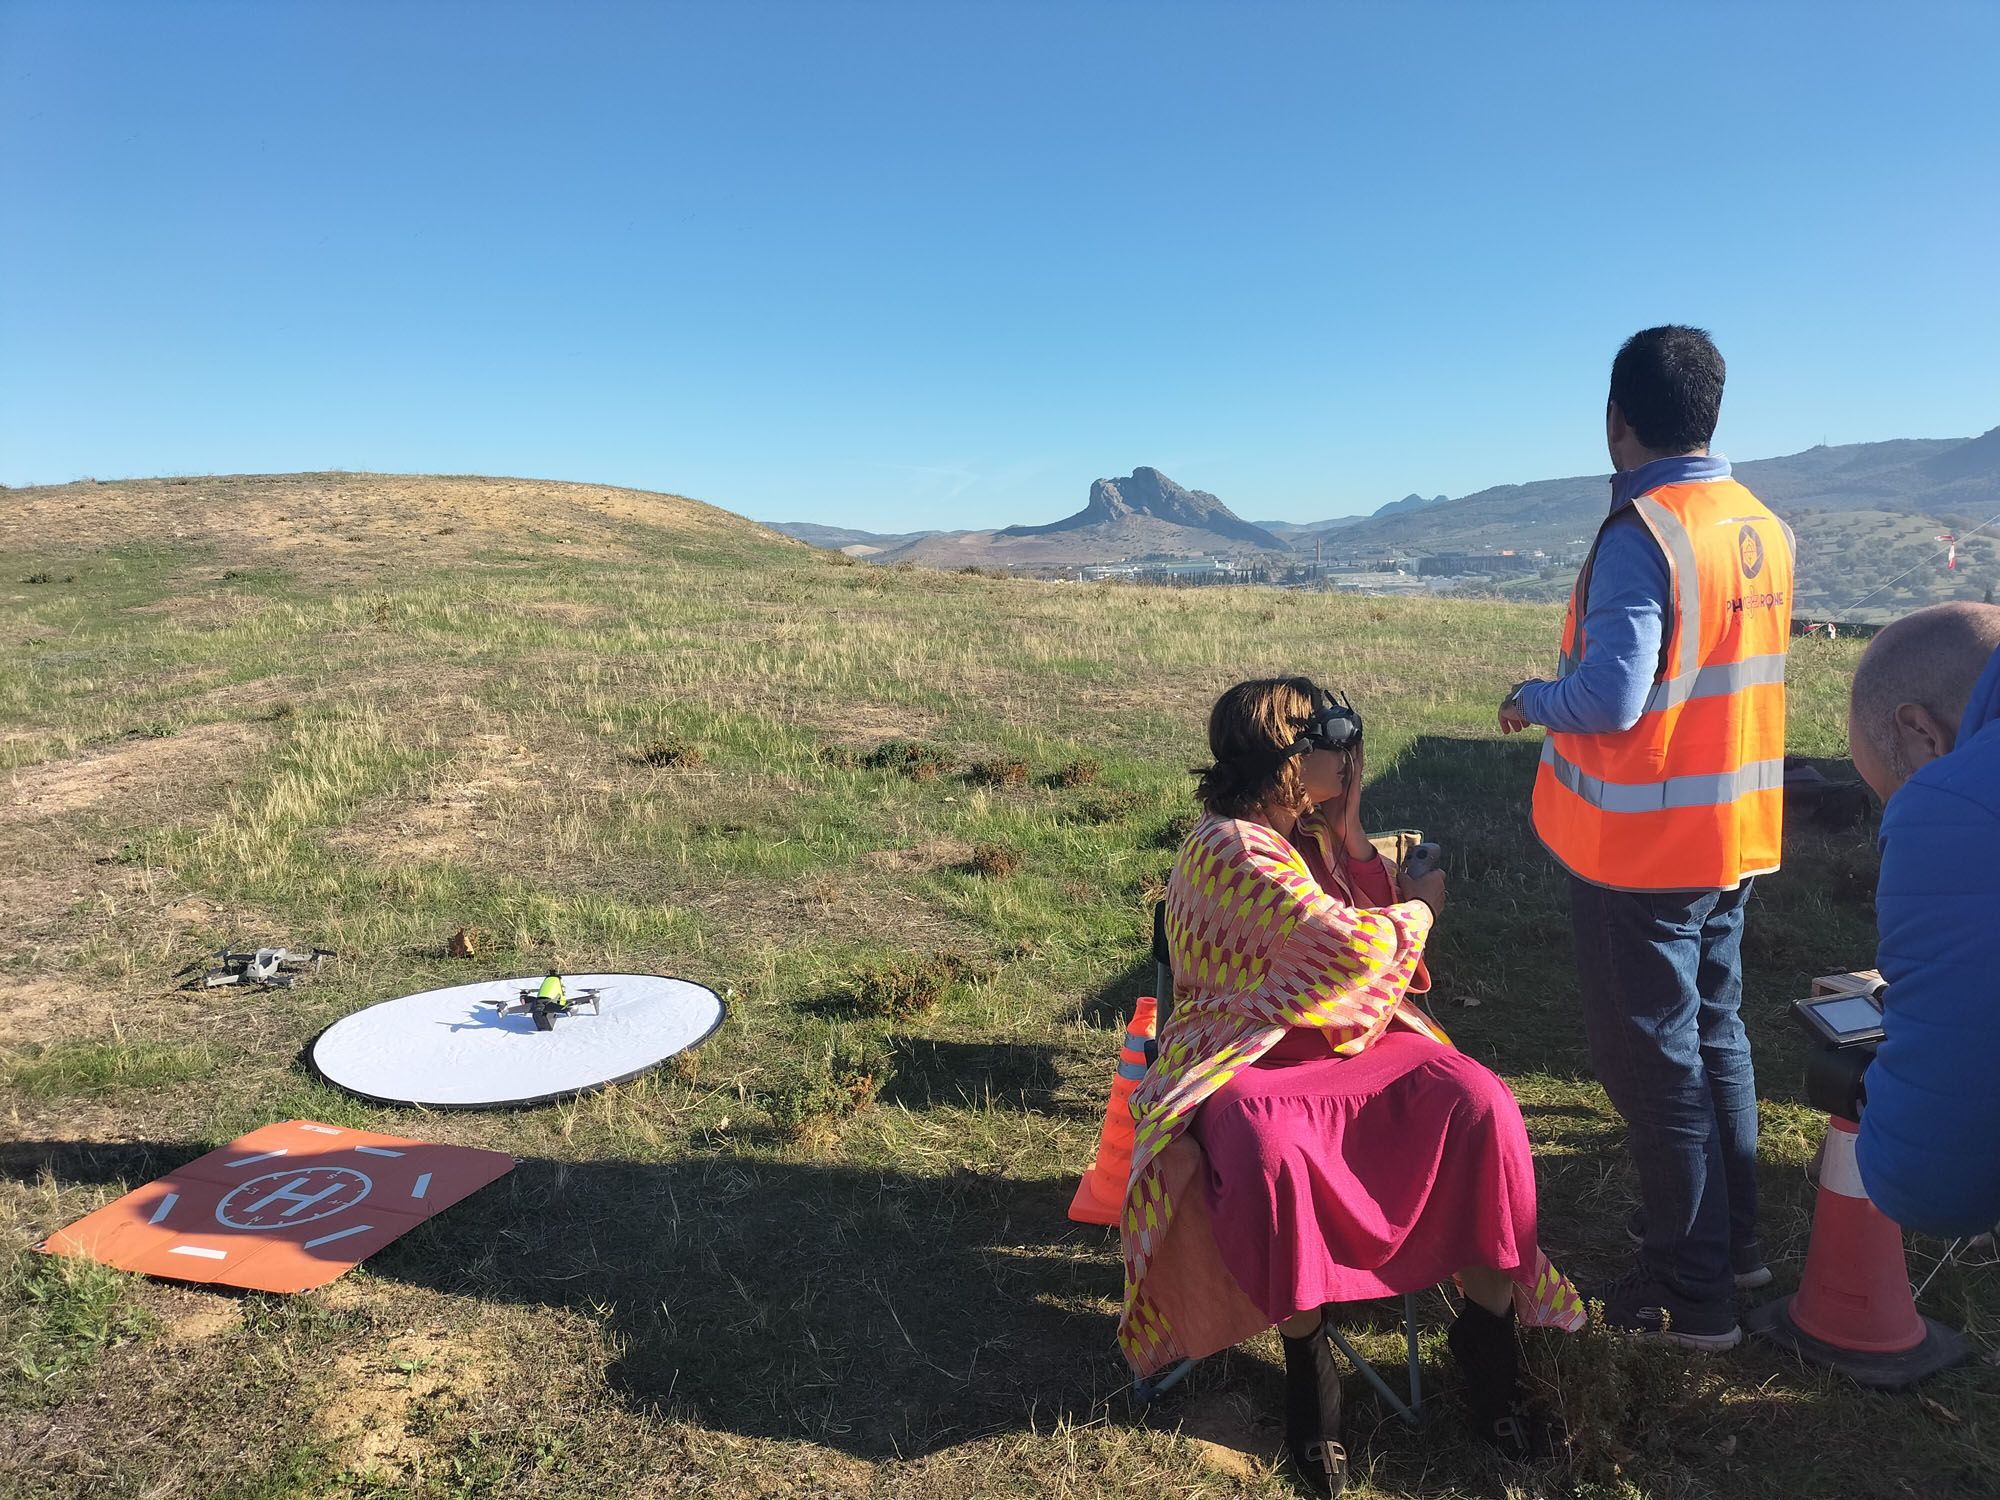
[(1692, 796)]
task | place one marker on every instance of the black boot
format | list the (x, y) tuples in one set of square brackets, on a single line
[(1312, 1412), (1489, 1357)]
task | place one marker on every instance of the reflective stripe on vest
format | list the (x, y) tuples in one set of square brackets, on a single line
[(1717, 682), (1714, 790)]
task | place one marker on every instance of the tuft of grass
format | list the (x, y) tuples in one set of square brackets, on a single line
[(994, 861), (1074, 773), (61, 1314), (999, 772), (1173, 833), (909, 984), (830, 1083), (669, 754), (1622, 1397), (1108, 807), (911, 758)]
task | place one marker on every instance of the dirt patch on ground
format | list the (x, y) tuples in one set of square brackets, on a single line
[(869, 723), (384, 1399), (189, 1316), (37, 1009), (828, 903), (456, 813), (1230, 1434), (203, 609), (124, 771), (936, 854)]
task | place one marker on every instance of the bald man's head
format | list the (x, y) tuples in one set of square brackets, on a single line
[(1911, 689)]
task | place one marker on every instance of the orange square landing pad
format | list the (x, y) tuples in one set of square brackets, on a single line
[(286, 1208)]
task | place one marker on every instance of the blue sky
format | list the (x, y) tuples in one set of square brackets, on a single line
[(942, 264)]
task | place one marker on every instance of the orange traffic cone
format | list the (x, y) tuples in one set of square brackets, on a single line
[(1100, 1197), (1853, 1309)]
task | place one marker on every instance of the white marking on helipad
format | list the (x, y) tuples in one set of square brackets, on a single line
[(338, 1234), (166, 1204), (245, 1161)]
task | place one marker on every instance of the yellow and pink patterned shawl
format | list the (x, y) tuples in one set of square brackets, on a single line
[(1258, 948)]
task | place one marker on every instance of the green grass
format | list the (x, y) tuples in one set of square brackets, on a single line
[(915, 845), (75, 1069)]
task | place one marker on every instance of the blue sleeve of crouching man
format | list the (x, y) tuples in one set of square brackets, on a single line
[(1930, 1132), (1623, 621)]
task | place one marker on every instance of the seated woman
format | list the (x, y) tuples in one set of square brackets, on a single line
[(1307, 1135)]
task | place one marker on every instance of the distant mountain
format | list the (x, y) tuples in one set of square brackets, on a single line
[(1149, 494), (1866, 515), (1143, 516), (1409, 503), (844, 539), (1927, 476), (1294, 531)]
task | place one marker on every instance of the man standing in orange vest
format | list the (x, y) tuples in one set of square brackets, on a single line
[(1661, 792)]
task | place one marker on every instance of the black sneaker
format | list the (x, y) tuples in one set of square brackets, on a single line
[(1312, 1412), (1746, 1262), (1639, 1304)]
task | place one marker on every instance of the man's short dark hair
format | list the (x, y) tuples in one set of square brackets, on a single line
[(1668, 383)]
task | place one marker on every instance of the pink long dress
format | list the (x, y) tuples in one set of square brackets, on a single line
[(1340, 1179)]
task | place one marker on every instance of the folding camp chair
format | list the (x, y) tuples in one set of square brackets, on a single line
[(1396, 845), (1145, 1392)]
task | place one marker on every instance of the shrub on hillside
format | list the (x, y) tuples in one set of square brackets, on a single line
[(1110, 807), (911, 758), (669, 754), (998, 773), (1074, 773), (808, 1101), (909, 984), (995, 861)]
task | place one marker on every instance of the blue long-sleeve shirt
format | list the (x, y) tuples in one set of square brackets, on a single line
[(1929, 1149), (1624, 620)]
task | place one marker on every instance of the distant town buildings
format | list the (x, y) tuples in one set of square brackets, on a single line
[(1489, 564)]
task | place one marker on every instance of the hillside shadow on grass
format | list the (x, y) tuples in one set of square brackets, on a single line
[(1109, 1006), (1003, 1075), (877, 1312)]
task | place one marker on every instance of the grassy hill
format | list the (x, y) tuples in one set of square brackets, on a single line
[(826, 1254)]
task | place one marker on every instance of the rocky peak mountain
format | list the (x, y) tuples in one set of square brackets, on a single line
[(1148, 495)]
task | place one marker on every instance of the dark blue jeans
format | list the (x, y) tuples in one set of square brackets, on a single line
[(1662, 982)]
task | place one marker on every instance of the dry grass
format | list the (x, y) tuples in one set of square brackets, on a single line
[(826, 1254)]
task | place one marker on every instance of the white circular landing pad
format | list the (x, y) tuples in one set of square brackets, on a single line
[(451, 1049)]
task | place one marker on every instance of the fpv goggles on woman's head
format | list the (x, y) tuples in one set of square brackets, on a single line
[(1333, 725)]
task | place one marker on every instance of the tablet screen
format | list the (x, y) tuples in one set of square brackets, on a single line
[(1849, 1014)]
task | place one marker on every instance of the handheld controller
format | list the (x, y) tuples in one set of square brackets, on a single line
[(1423, 859)]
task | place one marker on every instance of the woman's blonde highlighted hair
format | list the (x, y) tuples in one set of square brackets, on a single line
[(1251, 732)]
